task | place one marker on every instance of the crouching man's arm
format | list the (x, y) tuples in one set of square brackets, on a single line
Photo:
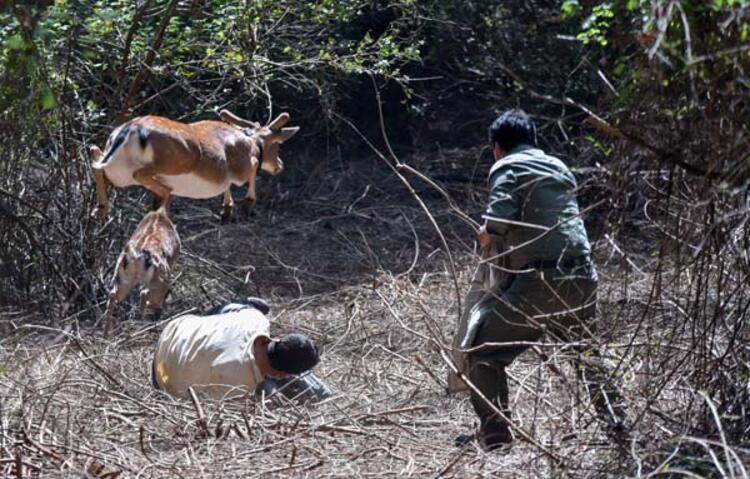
[(502, 209)]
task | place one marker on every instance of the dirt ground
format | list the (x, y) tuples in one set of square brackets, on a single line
[(361, 270)]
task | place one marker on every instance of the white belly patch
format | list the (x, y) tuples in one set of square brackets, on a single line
[(191, 185)]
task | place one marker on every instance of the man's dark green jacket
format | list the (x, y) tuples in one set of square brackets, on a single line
[(533, 209)]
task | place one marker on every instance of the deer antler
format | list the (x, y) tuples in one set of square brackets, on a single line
[(279, 121), (230, 117)]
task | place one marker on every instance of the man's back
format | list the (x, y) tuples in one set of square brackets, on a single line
[(215, 352), (534, 209)]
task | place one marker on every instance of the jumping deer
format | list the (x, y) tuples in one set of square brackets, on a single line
[(194, 160), (147, 260)]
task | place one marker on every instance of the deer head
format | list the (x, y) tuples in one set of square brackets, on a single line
[(271, 136)]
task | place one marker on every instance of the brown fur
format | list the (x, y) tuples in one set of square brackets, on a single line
[(147, 260), (217, 152)]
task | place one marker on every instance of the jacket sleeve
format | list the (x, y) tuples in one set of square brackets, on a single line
[(502, 204)]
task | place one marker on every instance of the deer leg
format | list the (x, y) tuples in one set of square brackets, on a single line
[(142, 304), (156, 203), (248, 203), (101, 183), (116, 295), (111, 303), (157, 293), (227, 212), (146, 177)]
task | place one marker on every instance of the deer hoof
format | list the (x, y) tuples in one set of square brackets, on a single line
[(248, 207), (227, 214), (101, 211), (158, 201), (108, 327)]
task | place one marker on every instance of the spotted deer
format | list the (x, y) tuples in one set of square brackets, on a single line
[(194, 160), (146, 260)]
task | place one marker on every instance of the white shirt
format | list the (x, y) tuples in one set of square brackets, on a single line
[(214, 354)]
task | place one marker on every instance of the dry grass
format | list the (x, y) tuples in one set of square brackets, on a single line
[(74, 401), (360, 270)]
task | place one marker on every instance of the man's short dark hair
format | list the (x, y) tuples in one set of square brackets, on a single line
[(293, 354), (513, 128)]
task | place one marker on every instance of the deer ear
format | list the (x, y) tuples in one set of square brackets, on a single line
[(286, 133), (279, 121)]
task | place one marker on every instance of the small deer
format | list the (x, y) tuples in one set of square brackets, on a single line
[(194, 160), (147, 260)]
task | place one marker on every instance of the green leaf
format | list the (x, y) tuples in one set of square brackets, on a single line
[(48, 99), (15, 42), (570, 7)]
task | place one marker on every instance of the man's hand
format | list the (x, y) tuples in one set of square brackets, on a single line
[(484, 238)]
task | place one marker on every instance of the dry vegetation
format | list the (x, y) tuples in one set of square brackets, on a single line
[(86, 403), (353, 262), (648, 99)]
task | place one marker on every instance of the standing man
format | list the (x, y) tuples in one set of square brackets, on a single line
[(228, 353), (543, 277)]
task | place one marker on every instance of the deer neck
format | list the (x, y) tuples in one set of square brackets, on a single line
[(258, 143)]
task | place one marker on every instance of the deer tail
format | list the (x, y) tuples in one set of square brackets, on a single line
[(112, 148)]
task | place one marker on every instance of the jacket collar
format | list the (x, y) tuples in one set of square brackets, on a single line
[(520, 148), (509, 158)]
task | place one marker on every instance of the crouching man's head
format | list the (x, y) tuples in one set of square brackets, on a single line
[(291, 355)]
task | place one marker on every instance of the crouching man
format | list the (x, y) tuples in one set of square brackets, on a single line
[(228, 353), (544, 278)]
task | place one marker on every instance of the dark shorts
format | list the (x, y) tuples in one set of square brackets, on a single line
[(534, 303)]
